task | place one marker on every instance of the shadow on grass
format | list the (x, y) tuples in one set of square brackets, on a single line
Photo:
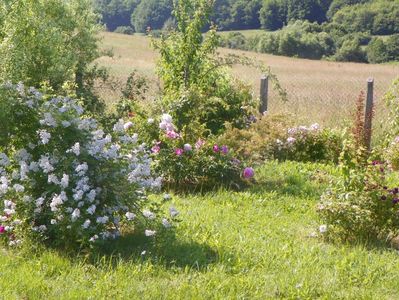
[(168, 252)]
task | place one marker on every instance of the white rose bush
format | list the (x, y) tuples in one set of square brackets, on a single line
[(65, 181)]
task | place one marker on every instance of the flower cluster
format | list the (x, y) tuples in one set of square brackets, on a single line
[(183, 159), (392, 154), (311, 143), (67, 179), (297, 134)]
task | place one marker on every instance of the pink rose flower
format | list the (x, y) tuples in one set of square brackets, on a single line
[(172, 134), (216, 148), (155, 149), (179, 152), (199, 144)]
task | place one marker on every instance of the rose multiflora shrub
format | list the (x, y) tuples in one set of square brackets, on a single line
[(63, 179), (187, 160)]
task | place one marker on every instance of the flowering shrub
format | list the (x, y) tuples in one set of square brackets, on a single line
[(257, 142), (310, 144), (361, 205), (63, 179), (392, 154), (183, 160), (268, 138)]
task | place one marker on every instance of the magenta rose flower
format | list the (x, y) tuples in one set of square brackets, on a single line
[(156, 149), (2, 229), (248, 173), (216, 148), (179, 152)]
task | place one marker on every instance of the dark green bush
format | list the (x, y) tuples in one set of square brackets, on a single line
[(300, 39), (257, 142), (392, 44), (234, 40), (377, 17), (151, 14), (380, 50), (124, 30), (350, 51), (377, 51)]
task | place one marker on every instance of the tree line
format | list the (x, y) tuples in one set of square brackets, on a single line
[(378, 16), (345, 30)]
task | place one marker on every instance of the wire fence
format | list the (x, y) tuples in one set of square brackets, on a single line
[(329, 102), (319, 91)]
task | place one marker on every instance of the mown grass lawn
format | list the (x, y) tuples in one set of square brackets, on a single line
[(254, 244)]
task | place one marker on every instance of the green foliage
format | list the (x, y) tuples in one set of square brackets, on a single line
[(300, 39), (377, 51), (392, 128), (336, 5), (52, 41), (310, 144), (116, 13), (392, 102), (257, 143), (276, 13), (184, 159), (341, 21), (268, 138), (392, 154), (234, 40), (272, 15), (362, 205), (392, 44), (197, 87), (185, 54), (350, 50), (124, 30), (236, 14), (377, 17), (151, 14), (70, 184), (199, 168)]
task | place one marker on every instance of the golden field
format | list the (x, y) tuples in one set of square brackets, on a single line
[(318, 91)]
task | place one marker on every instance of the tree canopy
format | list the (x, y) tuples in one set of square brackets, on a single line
[(51, 40)]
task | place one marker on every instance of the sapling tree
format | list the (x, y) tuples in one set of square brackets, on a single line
[(197, 87)]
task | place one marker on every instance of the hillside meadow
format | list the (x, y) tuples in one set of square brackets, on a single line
[(318, 91)]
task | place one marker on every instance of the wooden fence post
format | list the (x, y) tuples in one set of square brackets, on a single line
[(369, 113), (264, 90)]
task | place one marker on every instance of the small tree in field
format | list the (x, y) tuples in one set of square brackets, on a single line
[(197, 87), (185, 53)]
